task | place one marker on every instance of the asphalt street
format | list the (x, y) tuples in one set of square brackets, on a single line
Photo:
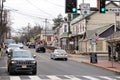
[(48, 68)]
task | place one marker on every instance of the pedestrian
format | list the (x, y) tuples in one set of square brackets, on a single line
[(0, 46), (109, 52)]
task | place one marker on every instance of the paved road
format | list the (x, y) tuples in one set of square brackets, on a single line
[(58, 70)]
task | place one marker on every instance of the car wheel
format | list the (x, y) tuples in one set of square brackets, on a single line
[(44, 50), (8, 69), (11, 72), (65, 59), (34, 72), (36, 50)]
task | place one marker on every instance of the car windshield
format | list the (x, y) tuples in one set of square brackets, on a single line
[(13, 45), (21, 54), (60, 51)]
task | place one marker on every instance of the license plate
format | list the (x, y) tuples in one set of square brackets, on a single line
[(24, 66)]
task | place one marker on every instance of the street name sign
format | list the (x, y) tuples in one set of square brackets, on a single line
[(114, 0), (114, 10), (85, 8)]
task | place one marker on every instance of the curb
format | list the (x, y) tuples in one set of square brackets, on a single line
[(114, 70)]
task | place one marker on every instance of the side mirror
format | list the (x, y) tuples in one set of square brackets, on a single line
[(34, 56), (9, 56)]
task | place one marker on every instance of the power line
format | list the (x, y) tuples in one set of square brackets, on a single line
[(28, 15), (38, 8), (55, 4)]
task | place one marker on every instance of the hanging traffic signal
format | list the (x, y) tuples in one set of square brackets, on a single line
[(102, 6), (71, 6)]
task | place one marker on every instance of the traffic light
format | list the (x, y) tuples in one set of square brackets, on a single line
[(71, 6), (102, 6)]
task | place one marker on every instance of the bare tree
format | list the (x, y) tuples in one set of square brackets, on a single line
[(29, 32)]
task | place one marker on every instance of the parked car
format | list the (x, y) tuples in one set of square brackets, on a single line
[(40, 48), (22, 61), (12, 47), (21, 45), (59, 54), (8, 41), (31, 45)]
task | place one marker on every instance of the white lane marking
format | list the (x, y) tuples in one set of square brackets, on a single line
[(72, 77), (52, 77), (15, 78), (108, 78), (34, 78), (91, 78)]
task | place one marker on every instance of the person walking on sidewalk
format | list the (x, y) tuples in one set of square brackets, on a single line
[(109, 52)]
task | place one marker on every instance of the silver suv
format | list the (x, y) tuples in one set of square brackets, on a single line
[(22, 61)]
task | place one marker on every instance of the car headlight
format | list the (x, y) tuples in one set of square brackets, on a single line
[(66, 55), (33, 62), (13, 62), (9, 49)]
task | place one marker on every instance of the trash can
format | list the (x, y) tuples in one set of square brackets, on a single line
[(93, 57)]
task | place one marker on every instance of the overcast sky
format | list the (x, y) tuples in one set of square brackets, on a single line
[(35, 11)]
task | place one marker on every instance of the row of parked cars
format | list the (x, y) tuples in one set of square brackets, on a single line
[(20, 60)]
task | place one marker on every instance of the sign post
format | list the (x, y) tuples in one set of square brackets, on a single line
[(85, 8), (115, 11)]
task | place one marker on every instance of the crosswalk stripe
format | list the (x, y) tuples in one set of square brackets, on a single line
[(118, 77), (72, 77), (91, 78), (15, 78), (35, 78), (105, 77), (62, 77), (54, 77)]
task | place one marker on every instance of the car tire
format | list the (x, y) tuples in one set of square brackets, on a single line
[(11, 72), (34, 72), (36, 50), (51, 58), (65, 59), (8, 69)]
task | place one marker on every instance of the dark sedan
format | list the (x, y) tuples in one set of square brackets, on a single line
[(31, 45), (40, 48)]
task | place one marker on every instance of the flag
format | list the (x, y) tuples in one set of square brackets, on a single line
[(96, 36)]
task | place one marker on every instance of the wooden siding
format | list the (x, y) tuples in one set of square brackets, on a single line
[(99, 46)]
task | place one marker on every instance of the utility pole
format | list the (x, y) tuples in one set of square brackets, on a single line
[(29, 32), (45, 29), (1, 17)]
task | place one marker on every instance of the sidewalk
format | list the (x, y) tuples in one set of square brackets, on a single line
[(109, 65)]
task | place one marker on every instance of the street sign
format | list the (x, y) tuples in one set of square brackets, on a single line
[(114, 10), (85, 8), (114, 0)]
